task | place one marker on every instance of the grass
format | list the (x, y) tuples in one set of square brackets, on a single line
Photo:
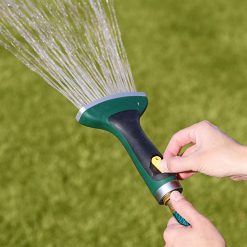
[(64, 185)]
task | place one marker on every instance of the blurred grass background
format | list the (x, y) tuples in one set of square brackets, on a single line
[(62, 184)]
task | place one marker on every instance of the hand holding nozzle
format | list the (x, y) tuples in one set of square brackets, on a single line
[(210, 146), (201, 233)]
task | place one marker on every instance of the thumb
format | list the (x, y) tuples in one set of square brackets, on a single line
[(184, 208), (179, 164)]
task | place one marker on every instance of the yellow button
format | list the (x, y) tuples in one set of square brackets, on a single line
[(156, 161)]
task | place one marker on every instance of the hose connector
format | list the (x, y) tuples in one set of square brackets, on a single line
[(177, 216), (165, 190)]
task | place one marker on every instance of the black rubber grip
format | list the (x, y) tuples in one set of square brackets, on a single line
[(128, 124)]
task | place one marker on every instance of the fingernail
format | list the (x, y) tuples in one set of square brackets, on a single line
[(163, 166), (176, 196)]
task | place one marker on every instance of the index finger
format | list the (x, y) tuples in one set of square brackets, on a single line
[(179, 140)]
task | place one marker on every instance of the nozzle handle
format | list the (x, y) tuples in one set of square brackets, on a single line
[(125, 125), (128, 124)]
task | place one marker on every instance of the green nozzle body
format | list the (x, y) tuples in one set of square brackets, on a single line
[(120, 114)]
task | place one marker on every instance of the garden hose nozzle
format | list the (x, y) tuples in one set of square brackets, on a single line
[(120, 114)]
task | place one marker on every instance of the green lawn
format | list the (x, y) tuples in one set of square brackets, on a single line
[(62, 184)]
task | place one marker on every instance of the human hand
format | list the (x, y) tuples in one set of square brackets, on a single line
[(212, 153), (201, 233)]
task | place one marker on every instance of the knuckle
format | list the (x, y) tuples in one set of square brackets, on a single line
[(209, 124), (175, 136), (205, 123)]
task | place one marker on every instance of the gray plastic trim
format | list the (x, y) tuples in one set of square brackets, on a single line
[(166, 188), (113, 96)]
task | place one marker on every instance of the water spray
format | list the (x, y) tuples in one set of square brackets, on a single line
[(76, 46)]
